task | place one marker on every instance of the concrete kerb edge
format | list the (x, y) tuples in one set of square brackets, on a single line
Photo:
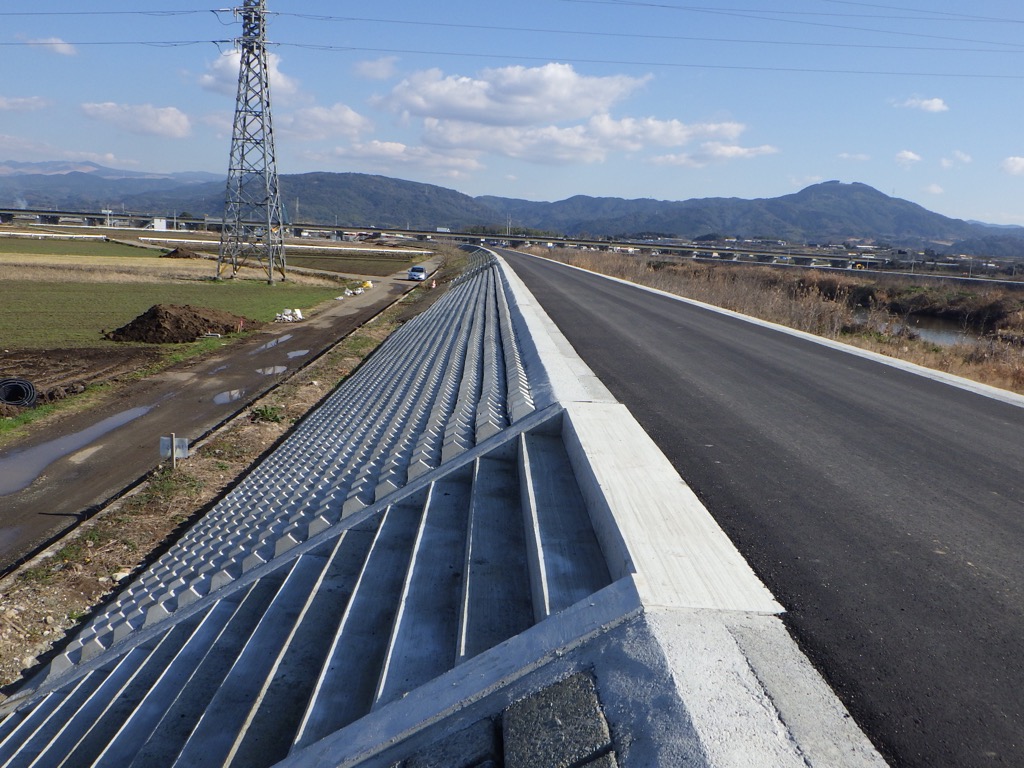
[(570, 379), (584, 397)]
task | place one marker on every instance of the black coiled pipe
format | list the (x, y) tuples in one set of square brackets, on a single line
[(17, 392)]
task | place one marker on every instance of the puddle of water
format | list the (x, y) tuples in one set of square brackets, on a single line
[(945, 333), (298, 353), (20, 468), (229, 396), (271, 344), (272, 371), (219, 368)]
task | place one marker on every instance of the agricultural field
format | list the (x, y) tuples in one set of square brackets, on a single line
[(59, 299), (69, 293)]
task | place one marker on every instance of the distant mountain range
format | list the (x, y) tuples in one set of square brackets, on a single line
[(826, 212)]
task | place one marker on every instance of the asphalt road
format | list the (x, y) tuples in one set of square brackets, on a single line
[(883, 509), (64, 473)]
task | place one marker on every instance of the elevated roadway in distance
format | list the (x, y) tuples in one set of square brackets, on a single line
[(884, 509)]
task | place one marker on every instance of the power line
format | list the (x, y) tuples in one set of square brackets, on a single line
[(565, 59), (673, 38), (919, 14), (762, 16), (949, 15), (115, 13), (154, 43), (665, 64)]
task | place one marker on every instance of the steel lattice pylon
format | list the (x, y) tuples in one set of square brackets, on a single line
[(253, 214)]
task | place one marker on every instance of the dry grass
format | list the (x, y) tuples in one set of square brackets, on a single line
[(817, 303), (126, 270)]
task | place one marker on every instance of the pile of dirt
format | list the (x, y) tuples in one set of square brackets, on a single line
[(182, 253), (173, 324)]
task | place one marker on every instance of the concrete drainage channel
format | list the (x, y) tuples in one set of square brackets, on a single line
[(470, 555)]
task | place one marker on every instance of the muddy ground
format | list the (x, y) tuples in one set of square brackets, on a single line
[(59, 373)]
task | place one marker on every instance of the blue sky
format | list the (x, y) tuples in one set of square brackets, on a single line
[(544, 99)]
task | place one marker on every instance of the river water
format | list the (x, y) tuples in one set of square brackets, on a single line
[(937, 330)]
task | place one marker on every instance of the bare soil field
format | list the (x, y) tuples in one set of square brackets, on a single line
[(58, 373)]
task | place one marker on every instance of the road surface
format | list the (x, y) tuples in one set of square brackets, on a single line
[(885, 510)]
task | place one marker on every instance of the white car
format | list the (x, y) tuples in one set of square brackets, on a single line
[(418, 273)]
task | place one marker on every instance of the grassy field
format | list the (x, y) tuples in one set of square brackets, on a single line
[(357, 264), (78, 248), (61, 293), (41, 315)]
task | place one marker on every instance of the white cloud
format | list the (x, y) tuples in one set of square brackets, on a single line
[(958, 158), (29, 149), (1013, 166), (54, 44), (383, 68), (548, 114), (934, 189), (24, 104), (541, 144), (634, 134), (142, 119), (510, 95), (315, 123), (222, 76), (925, 105), (589, 142), (392, 156), (858, 157), (713, 151), (906, 158)]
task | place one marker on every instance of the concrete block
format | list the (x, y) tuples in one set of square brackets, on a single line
[(561, 726), (252, 561), (155, 614), (469, 748), (283, 544)]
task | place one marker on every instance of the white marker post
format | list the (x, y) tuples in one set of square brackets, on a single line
[(174, 448)]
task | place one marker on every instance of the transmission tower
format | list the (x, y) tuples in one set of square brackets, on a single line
[(253, 215)]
